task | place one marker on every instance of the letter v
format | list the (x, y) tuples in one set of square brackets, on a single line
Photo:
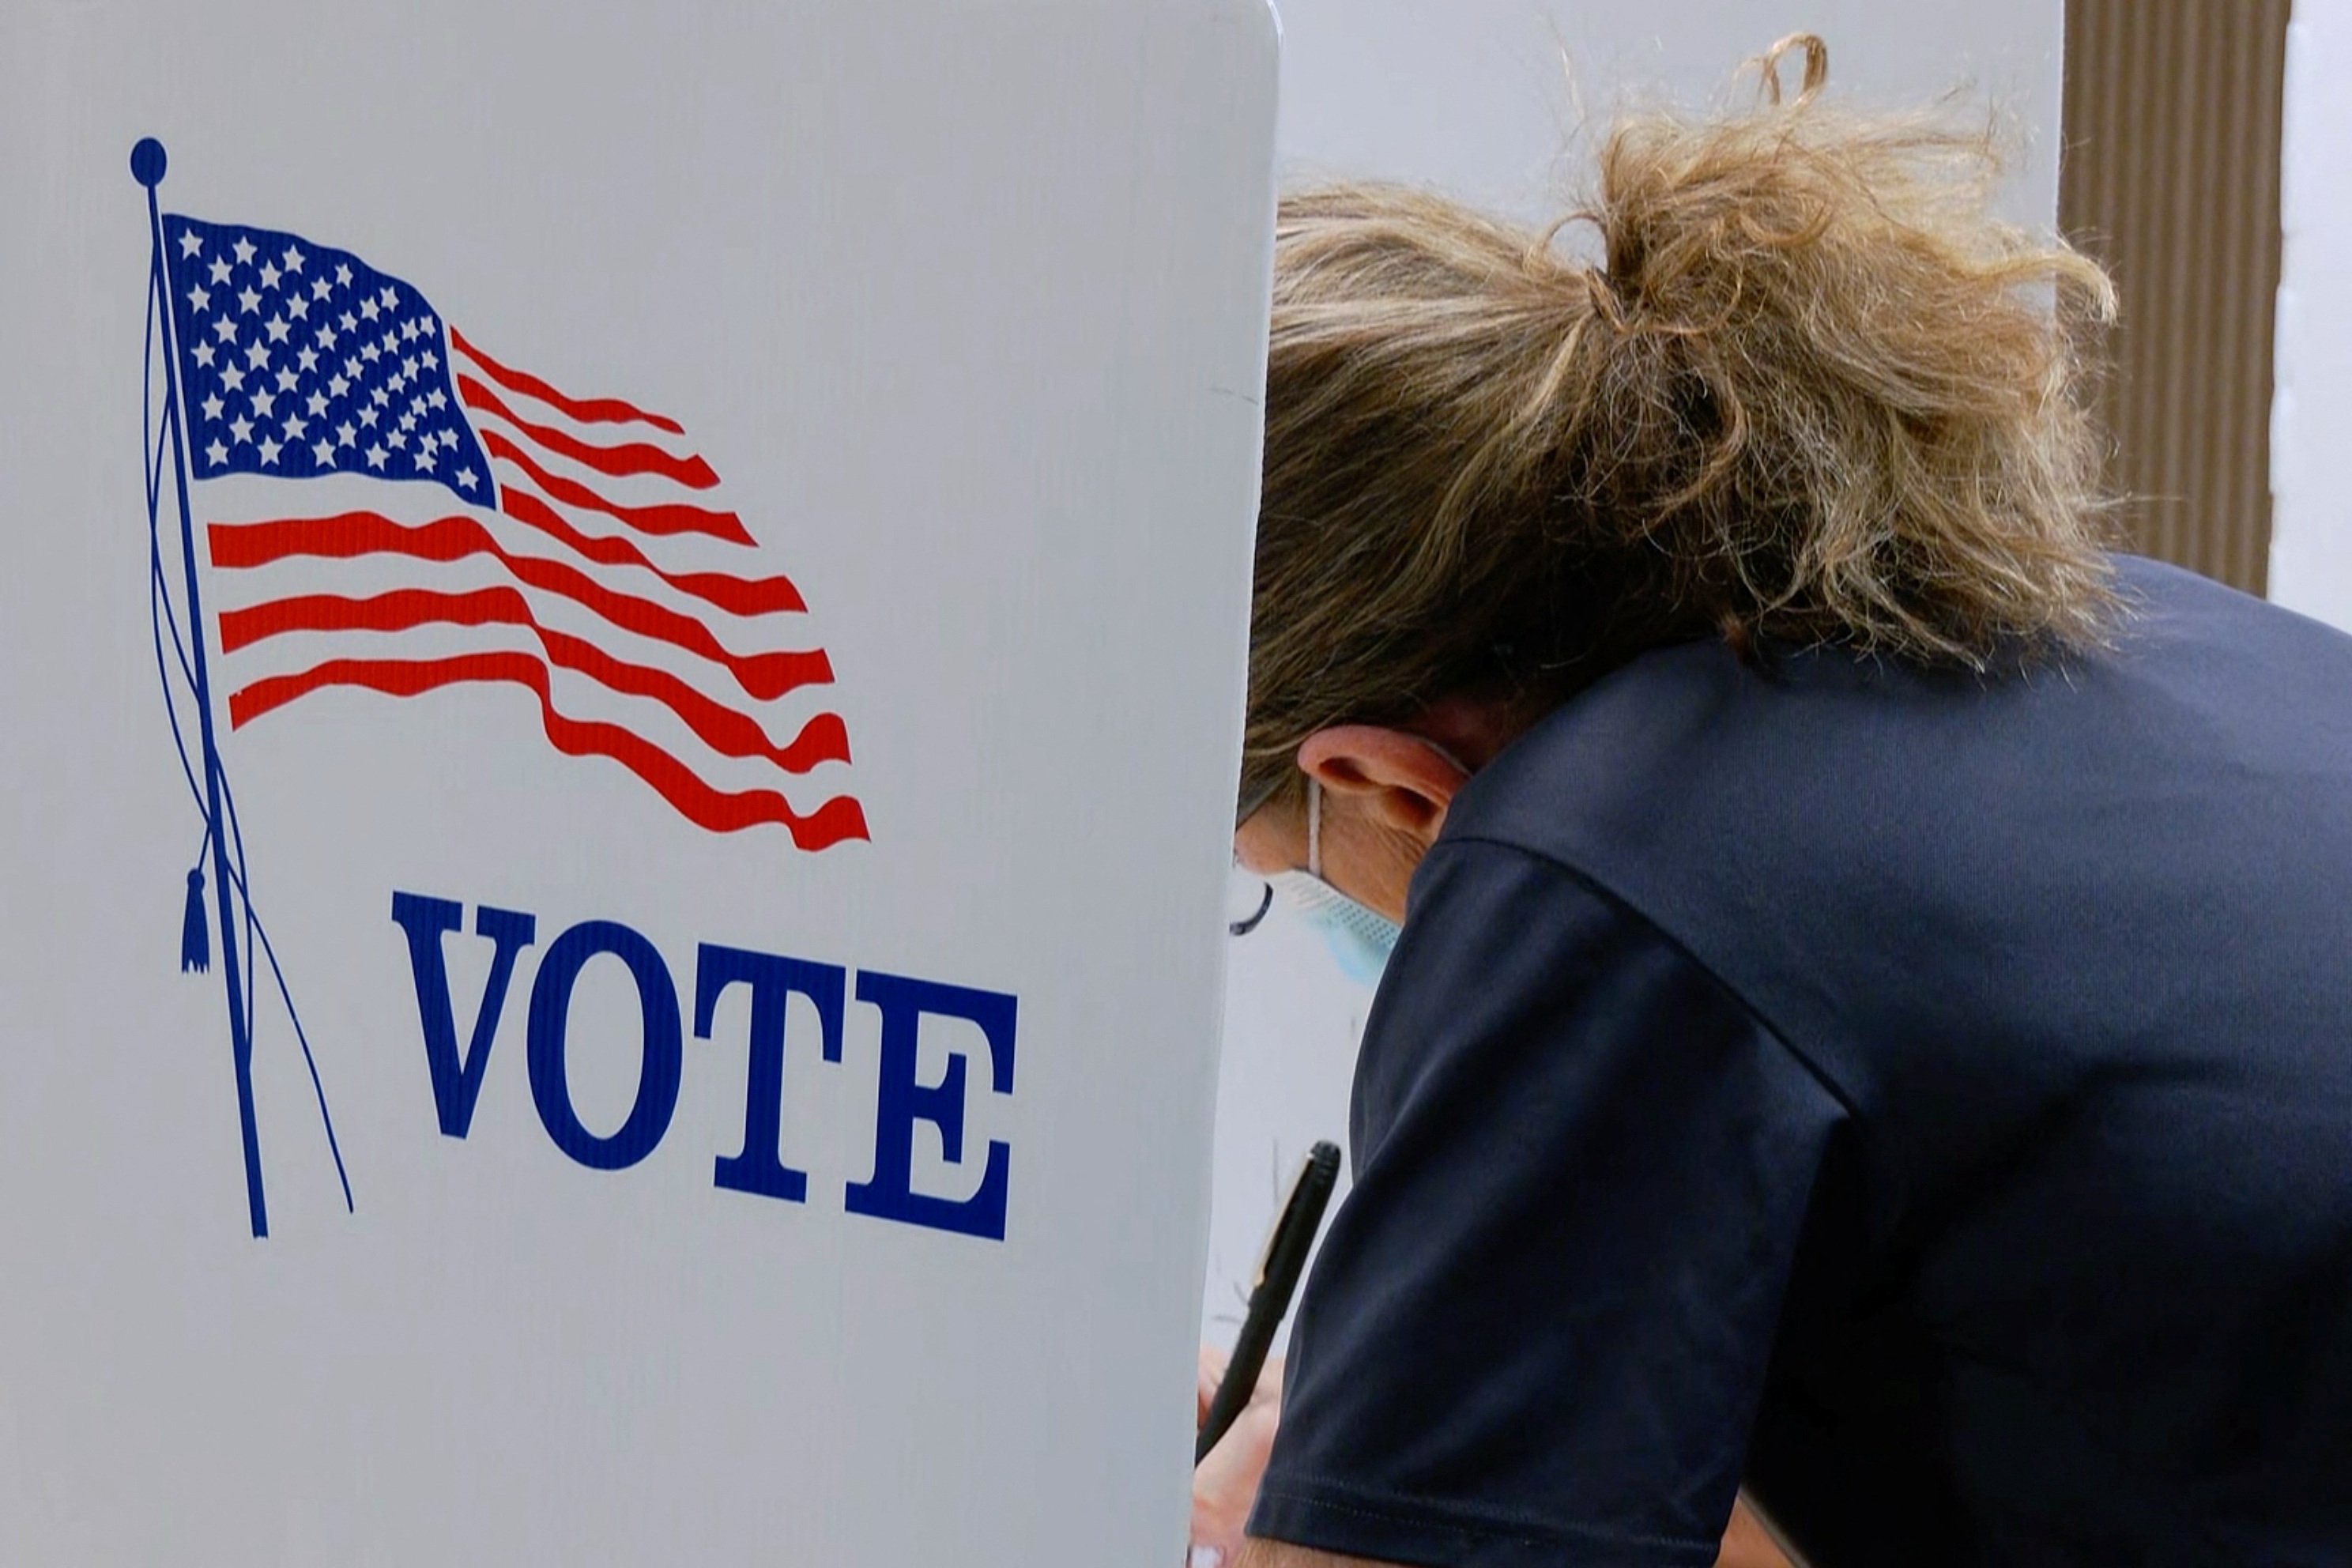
[(457, 1081)]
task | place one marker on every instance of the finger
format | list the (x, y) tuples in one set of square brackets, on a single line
[(1225, 1484), (1269, 1381), (1209, 1372)]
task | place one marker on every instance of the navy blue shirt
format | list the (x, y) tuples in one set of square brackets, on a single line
[(1924, 1097)]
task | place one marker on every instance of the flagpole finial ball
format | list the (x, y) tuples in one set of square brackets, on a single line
[(147, 163)]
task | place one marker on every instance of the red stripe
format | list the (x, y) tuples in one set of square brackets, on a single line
[(621, 462), (824, 738), (764, 676), (674, 518), (588, 411), (737, 596), (719, 811)]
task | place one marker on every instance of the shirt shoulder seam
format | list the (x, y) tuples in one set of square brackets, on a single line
[(1593, 884)]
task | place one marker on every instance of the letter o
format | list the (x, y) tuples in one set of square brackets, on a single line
[(657, 1072)]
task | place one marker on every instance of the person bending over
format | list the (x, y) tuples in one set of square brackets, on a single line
[(1873, 1015)]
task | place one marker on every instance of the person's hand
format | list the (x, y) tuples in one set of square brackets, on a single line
[(1225, 1484)]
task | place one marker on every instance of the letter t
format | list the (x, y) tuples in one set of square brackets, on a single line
[(760, 1168)]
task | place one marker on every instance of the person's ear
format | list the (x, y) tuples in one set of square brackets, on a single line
[(1394, 777)]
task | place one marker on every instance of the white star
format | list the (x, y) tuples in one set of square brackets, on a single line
[(399, 438), (277, 329), (241, 427), (308, 359), (368, 308), (450, 439), (213, 407), (390, 297), (375, 456), (466, 478), (198, 298), (297, 307), (381, 396), (323, 453), (396, 380), (317, 404), (218, 453), (321, 289), (296, 426), (409, 329), (352, 368), (224, 329), (202, 354), (190, 242), (370, 352), (233, 377), (270, 448), (367, 416), (343, 433), (437, 400), (408, 420), (343, 274), (263, 402), (417, 406), (269, 275), (426, 457), (326, 339), (219, 270), (430, 359), (247, 299), (293, 259), (347, 320), (257, 355), (287, 380), (390, 343), (244, 248), (337, 386)]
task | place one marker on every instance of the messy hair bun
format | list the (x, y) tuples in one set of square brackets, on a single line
[(1812, 394)]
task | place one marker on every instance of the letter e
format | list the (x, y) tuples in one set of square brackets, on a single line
[(902, 1102)]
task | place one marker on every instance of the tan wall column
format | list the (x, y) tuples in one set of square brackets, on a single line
[(2171, 176)]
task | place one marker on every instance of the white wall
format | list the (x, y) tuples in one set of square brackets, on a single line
[(2311, 524), (1475, 97)]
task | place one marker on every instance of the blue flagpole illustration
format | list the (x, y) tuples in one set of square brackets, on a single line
[(147, 165)]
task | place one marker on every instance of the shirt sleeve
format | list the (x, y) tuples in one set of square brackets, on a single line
[(1537, 1331)]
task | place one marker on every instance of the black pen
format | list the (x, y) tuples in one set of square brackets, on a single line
[(1277, 1281)]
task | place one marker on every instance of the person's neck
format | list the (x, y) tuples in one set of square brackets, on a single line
[(1474, 730)]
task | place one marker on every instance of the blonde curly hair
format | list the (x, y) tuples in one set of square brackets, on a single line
[(1814, 394)]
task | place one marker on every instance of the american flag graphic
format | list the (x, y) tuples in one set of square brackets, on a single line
[(481, 526)]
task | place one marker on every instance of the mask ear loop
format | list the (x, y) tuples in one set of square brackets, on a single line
[(1314, 828)]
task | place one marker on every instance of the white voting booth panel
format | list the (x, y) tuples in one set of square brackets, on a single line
[(680, 602), (1496, 102)]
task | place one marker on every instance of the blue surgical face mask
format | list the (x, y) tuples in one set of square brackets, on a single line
[(1361, 940)]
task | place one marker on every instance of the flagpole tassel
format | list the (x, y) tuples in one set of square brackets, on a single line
[(196, 944)]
